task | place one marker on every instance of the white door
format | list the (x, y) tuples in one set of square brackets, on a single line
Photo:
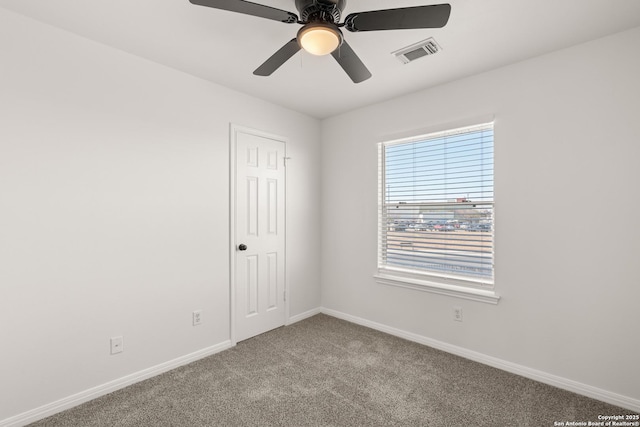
[(259, 243)]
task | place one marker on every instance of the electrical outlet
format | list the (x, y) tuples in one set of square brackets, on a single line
[(117, 345), (457, 314), (197, 317)]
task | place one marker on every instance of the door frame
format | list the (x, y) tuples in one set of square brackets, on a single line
[(234, 130)]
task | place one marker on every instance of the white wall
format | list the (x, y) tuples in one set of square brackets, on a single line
[(567, 147), (114, 211)]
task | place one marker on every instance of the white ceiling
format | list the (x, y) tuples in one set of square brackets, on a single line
[(225, 47)]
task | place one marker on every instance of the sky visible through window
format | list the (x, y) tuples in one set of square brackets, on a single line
[(441, 169)]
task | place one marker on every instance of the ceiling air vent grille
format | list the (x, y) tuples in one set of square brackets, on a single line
[(418, 50)]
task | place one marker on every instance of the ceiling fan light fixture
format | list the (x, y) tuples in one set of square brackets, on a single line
[(319, 38)]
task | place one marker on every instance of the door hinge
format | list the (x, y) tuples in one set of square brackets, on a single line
[(285, 160), (285, 296)]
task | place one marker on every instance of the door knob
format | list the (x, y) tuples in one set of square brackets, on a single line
[(242, 247)]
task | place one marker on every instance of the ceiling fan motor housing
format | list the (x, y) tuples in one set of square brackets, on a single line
[(320, 10)]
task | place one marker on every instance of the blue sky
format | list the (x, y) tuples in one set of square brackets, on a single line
[(440, 169)]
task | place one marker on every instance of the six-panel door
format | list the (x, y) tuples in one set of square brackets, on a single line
[(259, 224)]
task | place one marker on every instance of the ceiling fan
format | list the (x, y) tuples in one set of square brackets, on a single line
[(321, 35)]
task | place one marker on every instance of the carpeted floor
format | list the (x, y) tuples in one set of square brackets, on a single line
[(328, 372)]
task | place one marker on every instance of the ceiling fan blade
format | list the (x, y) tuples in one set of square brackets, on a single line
[(433, 16), (350, 63), (249, 8), (278, 58)]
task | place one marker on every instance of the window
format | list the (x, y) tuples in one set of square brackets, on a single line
[(435, 214)]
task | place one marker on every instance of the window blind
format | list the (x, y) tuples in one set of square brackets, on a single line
[(436, 204)]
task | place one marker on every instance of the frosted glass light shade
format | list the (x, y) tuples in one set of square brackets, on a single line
[(319, 40)]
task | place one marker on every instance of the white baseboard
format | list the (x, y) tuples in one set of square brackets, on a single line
[(302, 316), (534, 374), (95, 392)]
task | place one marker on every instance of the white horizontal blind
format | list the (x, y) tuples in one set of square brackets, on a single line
[(436, 204)]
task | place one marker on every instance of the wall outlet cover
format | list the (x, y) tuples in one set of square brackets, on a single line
[(457, 314), (117, 345), (197, 317)]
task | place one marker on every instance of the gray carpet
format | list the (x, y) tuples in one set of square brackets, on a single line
[(328, 372)]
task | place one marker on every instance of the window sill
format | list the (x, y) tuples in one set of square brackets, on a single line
[(480, 295)]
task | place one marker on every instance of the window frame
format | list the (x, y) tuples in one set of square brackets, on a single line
[(466, 287)]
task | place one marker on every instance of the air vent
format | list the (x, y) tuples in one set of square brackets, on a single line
[(418, 50)]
